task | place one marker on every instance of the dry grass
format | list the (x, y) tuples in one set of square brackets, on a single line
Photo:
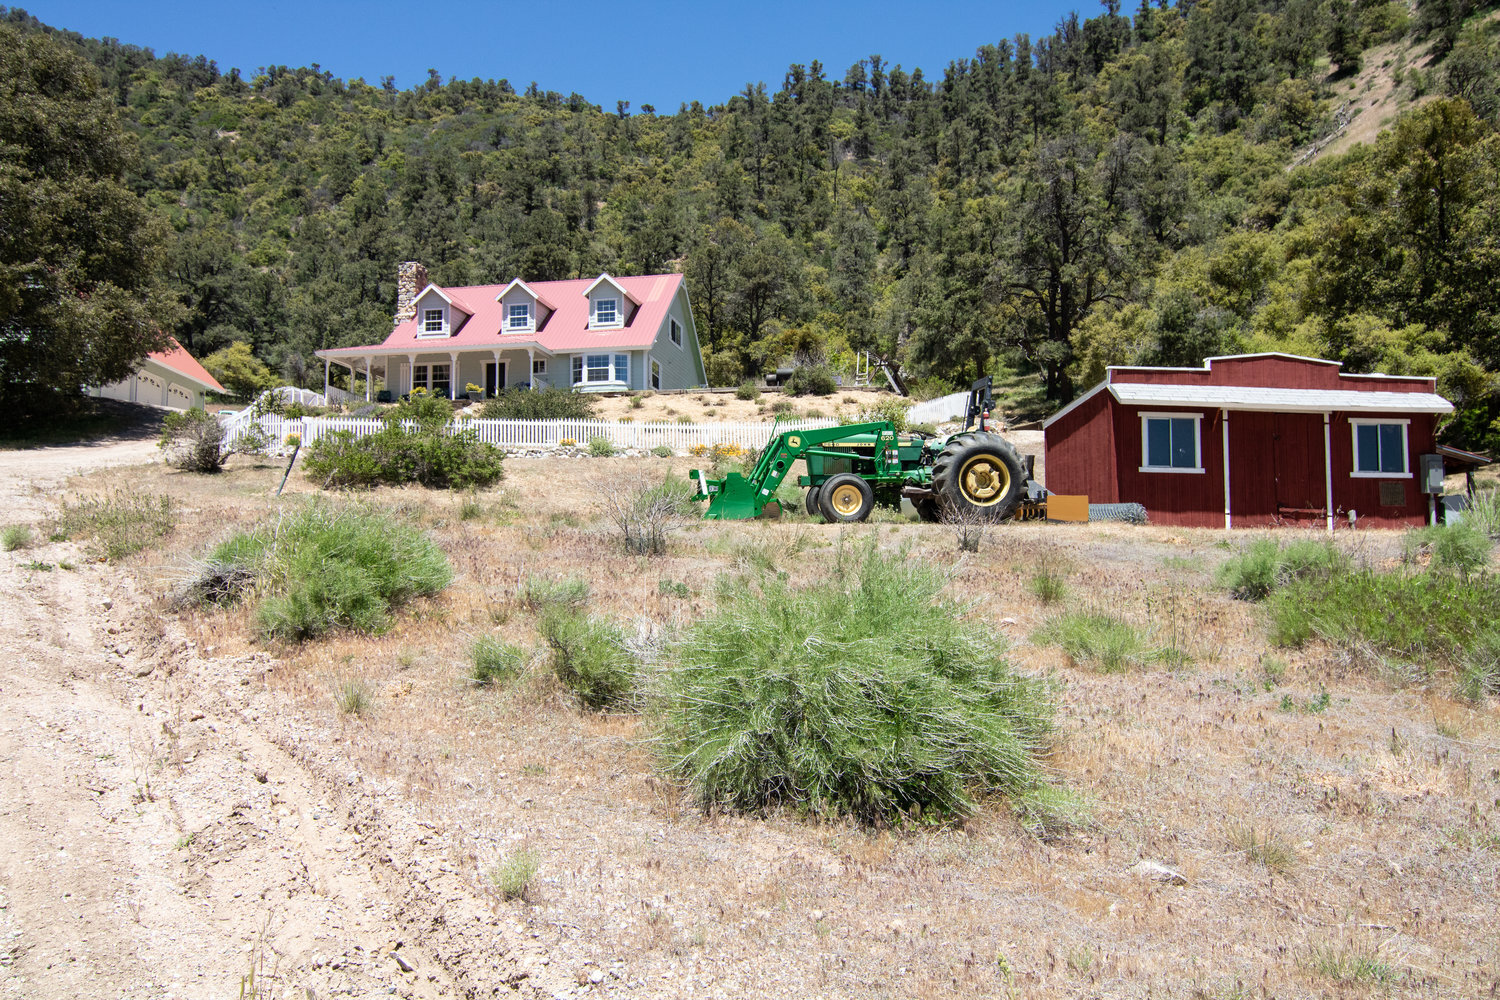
[(1385, 800)]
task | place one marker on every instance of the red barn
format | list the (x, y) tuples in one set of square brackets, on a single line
[(1249, 440)]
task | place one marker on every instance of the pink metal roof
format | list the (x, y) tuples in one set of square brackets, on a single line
[(179, 360), (564, 330)]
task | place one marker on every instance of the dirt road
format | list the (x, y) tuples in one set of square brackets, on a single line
[(163, 835)]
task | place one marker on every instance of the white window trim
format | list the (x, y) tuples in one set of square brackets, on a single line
[(583, 367), (426, 376), (424, 333), (538, 366), (525, 327), (617, 322), (677, 340), (655, 370), (1197, 419), (1354, 425)]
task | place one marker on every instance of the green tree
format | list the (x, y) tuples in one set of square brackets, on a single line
[(79, 255), (239, 370)]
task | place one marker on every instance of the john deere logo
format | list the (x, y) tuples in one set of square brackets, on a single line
[(794, 441)]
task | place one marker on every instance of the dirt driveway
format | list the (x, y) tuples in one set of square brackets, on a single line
[(161, 836)]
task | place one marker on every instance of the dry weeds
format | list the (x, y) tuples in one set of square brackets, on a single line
[(1382, 807)]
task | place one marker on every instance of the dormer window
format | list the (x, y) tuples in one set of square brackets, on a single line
[(606, 312), (432, 321), (518, 316)]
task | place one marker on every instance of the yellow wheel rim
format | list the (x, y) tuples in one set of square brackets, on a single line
[(984, 480), (845, 500)]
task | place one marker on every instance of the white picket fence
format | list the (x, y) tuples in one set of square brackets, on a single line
[(940, 410), (244, 429)]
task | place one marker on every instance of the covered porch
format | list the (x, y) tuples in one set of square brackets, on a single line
[(442, 373)]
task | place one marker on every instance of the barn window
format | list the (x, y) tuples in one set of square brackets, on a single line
[(1171, 442), (1380, 448)]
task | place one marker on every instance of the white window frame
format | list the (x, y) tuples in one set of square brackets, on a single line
[(674, 330), (1196, 418), (511, 315), (655, 374), (427, 318), (538, 366), (419, 376), (1355, 423), (433, 379), (582, 370), (614, 305)]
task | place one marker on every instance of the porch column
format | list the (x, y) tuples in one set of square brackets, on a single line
[(368, 362), (531, 368), (1328, 470), (327, 367), (411, 371), (452, 374), (1227, 515), (499, 382)]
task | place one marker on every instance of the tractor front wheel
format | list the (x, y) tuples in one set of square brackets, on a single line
[(813, 509), (845, 497), (979, 475)]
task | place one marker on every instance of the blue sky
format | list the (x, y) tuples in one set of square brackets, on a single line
[(657, 53)]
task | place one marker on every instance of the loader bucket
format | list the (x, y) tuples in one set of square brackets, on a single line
[(731, 498)]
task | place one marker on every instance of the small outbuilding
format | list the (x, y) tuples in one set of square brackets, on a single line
[(1249, 441)]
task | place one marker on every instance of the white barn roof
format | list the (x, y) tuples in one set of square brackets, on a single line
[(1245, 397)]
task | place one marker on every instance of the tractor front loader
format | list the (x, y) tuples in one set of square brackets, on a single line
[(972, 474)]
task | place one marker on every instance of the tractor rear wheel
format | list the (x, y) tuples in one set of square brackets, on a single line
[(845, 497), (813, 510), (979, 475), (928, 510)]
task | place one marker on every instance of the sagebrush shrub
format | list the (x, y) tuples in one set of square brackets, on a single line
[(495, 661), (747, 390), (866, 695), (1265, 566), (589, 655), (320, 568)]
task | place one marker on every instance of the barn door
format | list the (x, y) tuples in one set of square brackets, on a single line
[(1276, 467)]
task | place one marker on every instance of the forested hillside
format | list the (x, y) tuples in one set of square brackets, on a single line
[(1116, 192)]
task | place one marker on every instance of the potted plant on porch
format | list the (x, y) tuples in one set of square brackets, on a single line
[(476, 393)]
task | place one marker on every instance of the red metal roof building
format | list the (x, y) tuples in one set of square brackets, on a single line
[(601, 333), (1248, 441)]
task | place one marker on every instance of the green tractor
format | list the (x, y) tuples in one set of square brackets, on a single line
[(972, 474)]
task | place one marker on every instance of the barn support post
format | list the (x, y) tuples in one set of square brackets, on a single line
[(1227, 515), (1328, 470)]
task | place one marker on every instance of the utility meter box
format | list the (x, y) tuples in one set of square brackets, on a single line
[(1430, 473)]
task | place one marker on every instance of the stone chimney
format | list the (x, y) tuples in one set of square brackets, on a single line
[(411, 278)]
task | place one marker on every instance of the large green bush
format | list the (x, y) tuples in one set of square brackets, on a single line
[(811, 380), (540, 404), (866, 694), (426, 454), (323, 567)]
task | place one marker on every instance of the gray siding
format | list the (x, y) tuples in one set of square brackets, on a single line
[(681, 367)]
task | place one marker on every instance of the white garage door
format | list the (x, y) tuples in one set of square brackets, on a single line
[(178, 397), (149, 389)]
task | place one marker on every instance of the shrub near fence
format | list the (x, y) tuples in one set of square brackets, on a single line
[(528, 434)]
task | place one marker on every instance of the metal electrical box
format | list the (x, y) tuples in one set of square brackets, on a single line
[(1430, 473)]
